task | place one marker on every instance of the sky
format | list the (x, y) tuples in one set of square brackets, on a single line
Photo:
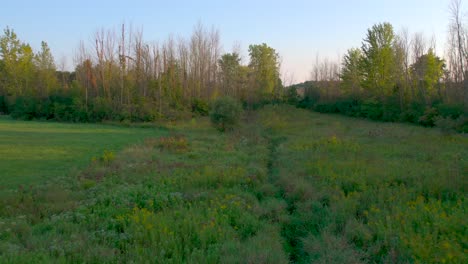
[(297, 29)]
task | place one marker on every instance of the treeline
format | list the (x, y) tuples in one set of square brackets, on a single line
[(396, 77), (123, 77)]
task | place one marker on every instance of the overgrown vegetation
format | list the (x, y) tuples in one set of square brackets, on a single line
[(395, 77), (123, 78), (286, 185), (363, 192), (225, 114), (449, 117)]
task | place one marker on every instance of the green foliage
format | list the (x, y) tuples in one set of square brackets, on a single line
[(365, 192), (378, 60), (3, 105), (17, 65), (429, 117), (288, 186), (107, 157), (412, 112), (449, 125), (45, 68), (372, 109), (264, 61), (352, 75), (428, 69), (24, 108), (44, 151), (378, 83), (450, 110), (231, 73), (225, 113), (195, 206), (292, 97), (200, 107)]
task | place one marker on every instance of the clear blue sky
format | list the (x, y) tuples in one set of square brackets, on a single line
[(297, 29)]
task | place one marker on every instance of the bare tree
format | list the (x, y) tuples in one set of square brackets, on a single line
[(403, 44), (458, 54)]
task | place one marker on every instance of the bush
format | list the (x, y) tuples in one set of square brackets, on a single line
[(101, 109), (24, 108), (326, 107), (372, 109), (449, 125), (429, 117), (306, 103), (3, 105), (292, 97), (452, 111), (412, 113), (391, 110), (225, 113), (348, 106), (462, 124), (200, 107)]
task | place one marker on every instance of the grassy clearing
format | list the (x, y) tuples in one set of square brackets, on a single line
[(288, 186), (188, 196), (33, 152), (360, 191)]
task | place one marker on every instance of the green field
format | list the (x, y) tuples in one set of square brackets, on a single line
[(287, 186), (32, 152)]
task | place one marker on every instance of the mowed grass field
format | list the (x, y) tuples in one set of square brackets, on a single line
[(34, 152), (287, 186)]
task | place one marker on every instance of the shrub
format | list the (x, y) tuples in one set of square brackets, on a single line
[(106, 158), (200, 107), (391, 110), (292, 97), (429, 117), (24, 108), (348, 106), (452, 111), (412, 113), (372, 108), (326, 107), (101, 109), (306, 103), (448, 125), (462, 124), (3, 105), (225, 113)]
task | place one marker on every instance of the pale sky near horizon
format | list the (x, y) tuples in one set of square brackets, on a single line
[(297, 29)]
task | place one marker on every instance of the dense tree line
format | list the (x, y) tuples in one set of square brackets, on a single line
[(122, 77), (395, 77)]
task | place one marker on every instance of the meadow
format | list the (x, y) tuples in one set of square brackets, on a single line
[(34, 152), (288, 185)]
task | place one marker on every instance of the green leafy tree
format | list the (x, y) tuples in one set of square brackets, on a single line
[(351, 73), (379, 59), (10, 50), (264, 62), (46, 76), (18, 68), (427, 72), (230, 73)]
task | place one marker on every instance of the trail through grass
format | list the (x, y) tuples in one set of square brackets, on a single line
[(360, 191), (287, 186)]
